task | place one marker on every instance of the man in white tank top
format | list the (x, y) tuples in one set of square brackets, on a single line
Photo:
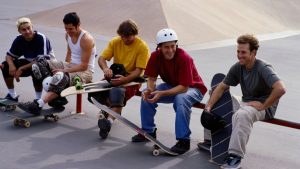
[(80, 58)]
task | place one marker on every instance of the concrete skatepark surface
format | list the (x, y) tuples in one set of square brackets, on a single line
[(73, 141)]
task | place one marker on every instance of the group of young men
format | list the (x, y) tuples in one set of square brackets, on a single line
[(181, 83)]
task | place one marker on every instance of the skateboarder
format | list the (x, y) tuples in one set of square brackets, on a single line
[(261, 88), (80, 59), (127, 51), (182, 87), (29, 44)]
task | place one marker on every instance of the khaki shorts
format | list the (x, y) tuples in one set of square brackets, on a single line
[(86, 76)]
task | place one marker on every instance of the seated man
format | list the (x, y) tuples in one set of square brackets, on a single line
[(183, 88), (261, 88), (80, 60), (133, 53), (29, 44)]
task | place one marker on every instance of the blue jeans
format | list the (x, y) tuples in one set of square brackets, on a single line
[(182, 104)]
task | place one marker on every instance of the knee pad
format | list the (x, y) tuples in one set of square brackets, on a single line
[(59, 82), (46, 83), (41, 68)]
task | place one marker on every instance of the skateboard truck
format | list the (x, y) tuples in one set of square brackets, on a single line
[(26, 123), (78, 83)]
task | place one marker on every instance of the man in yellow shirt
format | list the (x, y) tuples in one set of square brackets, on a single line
[(127, 51)]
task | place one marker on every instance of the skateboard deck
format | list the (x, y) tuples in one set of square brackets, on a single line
[(24, 119), (92, 87), (7, 105), (220, 138), (157, 145)]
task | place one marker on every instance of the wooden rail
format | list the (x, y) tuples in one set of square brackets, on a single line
[(275, 121)]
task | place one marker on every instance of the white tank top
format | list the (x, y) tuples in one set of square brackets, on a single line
[(76, 52)]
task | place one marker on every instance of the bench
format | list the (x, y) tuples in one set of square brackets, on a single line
[(275, 121)]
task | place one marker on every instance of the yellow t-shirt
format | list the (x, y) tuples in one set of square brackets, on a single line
[(135, 55)]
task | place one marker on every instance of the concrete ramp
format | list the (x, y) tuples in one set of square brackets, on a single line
[(195, 21)]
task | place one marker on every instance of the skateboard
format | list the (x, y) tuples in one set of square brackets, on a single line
[(23, 119), (220, 138), (7, 105), (157, 145), (92, 87)]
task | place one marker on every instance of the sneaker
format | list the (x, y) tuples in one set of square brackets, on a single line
[(141, 138), (182, 146), (8, 97), (232, 162), (58, 102), (105, 127), (31, 107), (104, 113), (205, 145)]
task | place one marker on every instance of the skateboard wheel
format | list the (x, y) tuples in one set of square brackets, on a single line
[(3, 108), (46, 117), (14, 107), (26, 124), (155, 152), (16, 122), (78, 86), (77, 79), (55, 117), (101, 116)]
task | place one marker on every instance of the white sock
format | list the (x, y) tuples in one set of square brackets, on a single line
[(110, 120), (41, 102), (12, 93), (38, 95)]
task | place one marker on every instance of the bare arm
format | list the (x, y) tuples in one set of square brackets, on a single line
[(16, 72), (103, 65), (68, 55), (86, 44), (157, 94), (278, 90), (119, 80), (216, 95)]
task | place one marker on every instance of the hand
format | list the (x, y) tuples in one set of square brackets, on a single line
[(118, 80), (12, 70), (108, 73), (207, 109), (155, 96), (18, 74), (146, 93), (257, 105)]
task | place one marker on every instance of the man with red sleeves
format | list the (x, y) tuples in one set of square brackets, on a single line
[(182, 86)]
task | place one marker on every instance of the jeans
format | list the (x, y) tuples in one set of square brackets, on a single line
[(182, 104)]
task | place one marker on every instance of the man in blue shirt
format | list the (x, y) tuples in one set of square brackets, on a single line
[(29, 44)]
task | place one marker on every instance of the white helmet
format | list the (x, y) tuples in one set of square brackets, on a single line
[(166, 35), (46, 83)]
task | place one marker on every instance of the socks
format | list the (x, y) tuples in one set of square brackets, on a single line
[(12, 93), (38, 95), (41, 102)]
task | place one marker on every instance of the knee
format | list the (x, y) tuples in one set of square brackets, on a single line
[(241, 115), (59, 82), (180, 99), (117, 96), (5, 69)]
